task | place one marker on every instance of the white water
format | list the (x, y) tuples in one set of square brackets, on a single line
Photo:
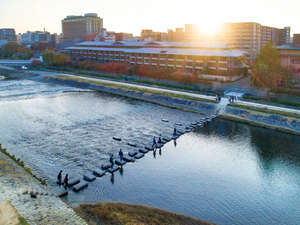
[(222, 105)]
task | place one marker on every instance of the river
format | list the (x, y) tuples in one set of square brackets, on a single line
[(225, 172)]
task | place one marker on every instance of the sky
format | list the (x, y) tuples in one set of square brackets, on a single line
[(160, 15)]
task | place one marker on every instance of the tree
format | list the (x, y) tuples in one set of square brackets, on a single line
[(49, 57), (267, 71), (9, 49)]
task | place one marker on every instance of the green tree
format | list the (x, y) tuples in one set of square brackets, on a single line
[(9, 49), (49, 57), (267, 71)]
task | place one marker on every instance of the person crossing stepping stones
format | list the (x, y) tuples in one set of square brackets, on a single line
[(121, 155)]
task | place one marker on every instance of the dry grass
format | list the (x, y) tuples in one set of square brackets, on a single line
[(127, 214)]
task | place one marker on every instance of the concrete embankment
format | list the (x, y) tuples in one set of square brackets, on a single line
[(274, 120), (33, 201)]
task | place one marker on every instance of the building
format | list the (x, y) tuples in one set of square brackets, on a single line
[(123, 36), (150, 35), (36, 37), (296, 40), (204, 60), (290, 57), (192, 33), (252, 37), (79, 28), (8, 34)]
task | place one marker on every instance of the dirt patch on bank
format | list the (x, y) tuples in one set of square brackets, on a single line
[(124, 214)]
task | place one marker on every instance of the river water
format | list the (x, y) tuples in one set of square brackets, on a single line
[(225, 172)]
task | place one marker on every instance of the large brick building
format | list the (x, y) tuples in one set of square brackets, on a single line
[(217, 60)]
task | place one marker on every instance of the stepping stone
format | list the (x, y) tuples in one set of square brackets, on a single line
[(113, 169), (143, 150), (89, 177), (178, 124), (166, 139), (99, 173), (62, 193), (106, 166), (139, 155), (120, 163), (132, 145), (175, 137), (159, 145), (128, 159), (80, 186), (117, 139), (73, 181), (132, 153), (149, 147), (164, 120)]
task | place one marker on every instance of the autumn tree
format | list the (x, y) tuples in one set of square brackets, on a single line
[(267, 71)]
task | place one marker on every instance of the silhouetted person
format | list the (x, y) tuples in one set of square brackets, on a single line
[(175, 132), (112, 161), (66, 181), (159, 151), (175, 143), (59, 177), (159, 139), (121, 155)]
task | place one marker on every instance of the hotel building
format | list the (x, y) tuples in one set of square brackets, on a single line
[(78, 28), (218, 60)]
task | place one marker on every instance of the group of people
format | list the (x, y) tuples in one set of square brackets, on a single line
[(64, 182), (232, 99), (112, 160)]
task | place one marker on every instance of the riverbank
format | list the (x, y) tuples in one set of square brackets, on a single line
[(278, 118), (121, 213), (16, 186)]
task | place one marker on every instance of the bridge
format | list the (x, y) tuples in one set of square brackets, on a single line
[(11, 62)]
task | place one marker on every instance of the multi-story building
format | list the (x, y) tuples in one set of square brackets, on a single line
[(252, 37), (79, 28), (192, 33), (8, 34), (290, 57), (296, 40), (150, 35), (191, 57), (36, 37)]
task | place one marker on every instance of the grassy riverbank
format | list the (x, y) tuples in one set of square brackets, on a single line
[(122, 213)]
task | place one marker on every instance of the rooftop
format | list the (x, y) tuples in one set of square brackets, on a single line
[(167, 51)]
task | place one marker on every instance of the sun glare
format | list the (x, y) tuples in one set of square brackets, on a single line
[(208, 28)]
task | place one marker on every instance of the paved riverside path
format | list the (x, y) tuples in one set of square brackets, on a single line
[(168, 91), (16, 185)]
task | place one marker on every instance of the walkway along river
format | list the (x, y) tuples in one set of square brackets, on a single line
[(225, 172)]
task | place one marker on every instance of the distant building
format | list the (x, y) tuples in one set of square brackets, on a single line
[(8, 34), (192, 33), (123, 36), (296, 40), (290, 57), (79, 28), (150, 35), (36, 37), (252, 37)]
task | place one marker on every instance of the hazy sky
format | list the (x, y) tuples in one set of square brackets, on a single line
[(159, 15)]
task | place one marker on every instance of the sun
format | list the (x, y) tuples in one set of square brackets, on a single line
[(209, 28)]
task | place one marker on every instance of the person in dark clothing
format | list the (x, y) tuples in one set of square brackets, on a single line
[(121, 155), (154, 142), (66, 181), (111, 159), (159, 139), (175, 132), (59, 177)]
